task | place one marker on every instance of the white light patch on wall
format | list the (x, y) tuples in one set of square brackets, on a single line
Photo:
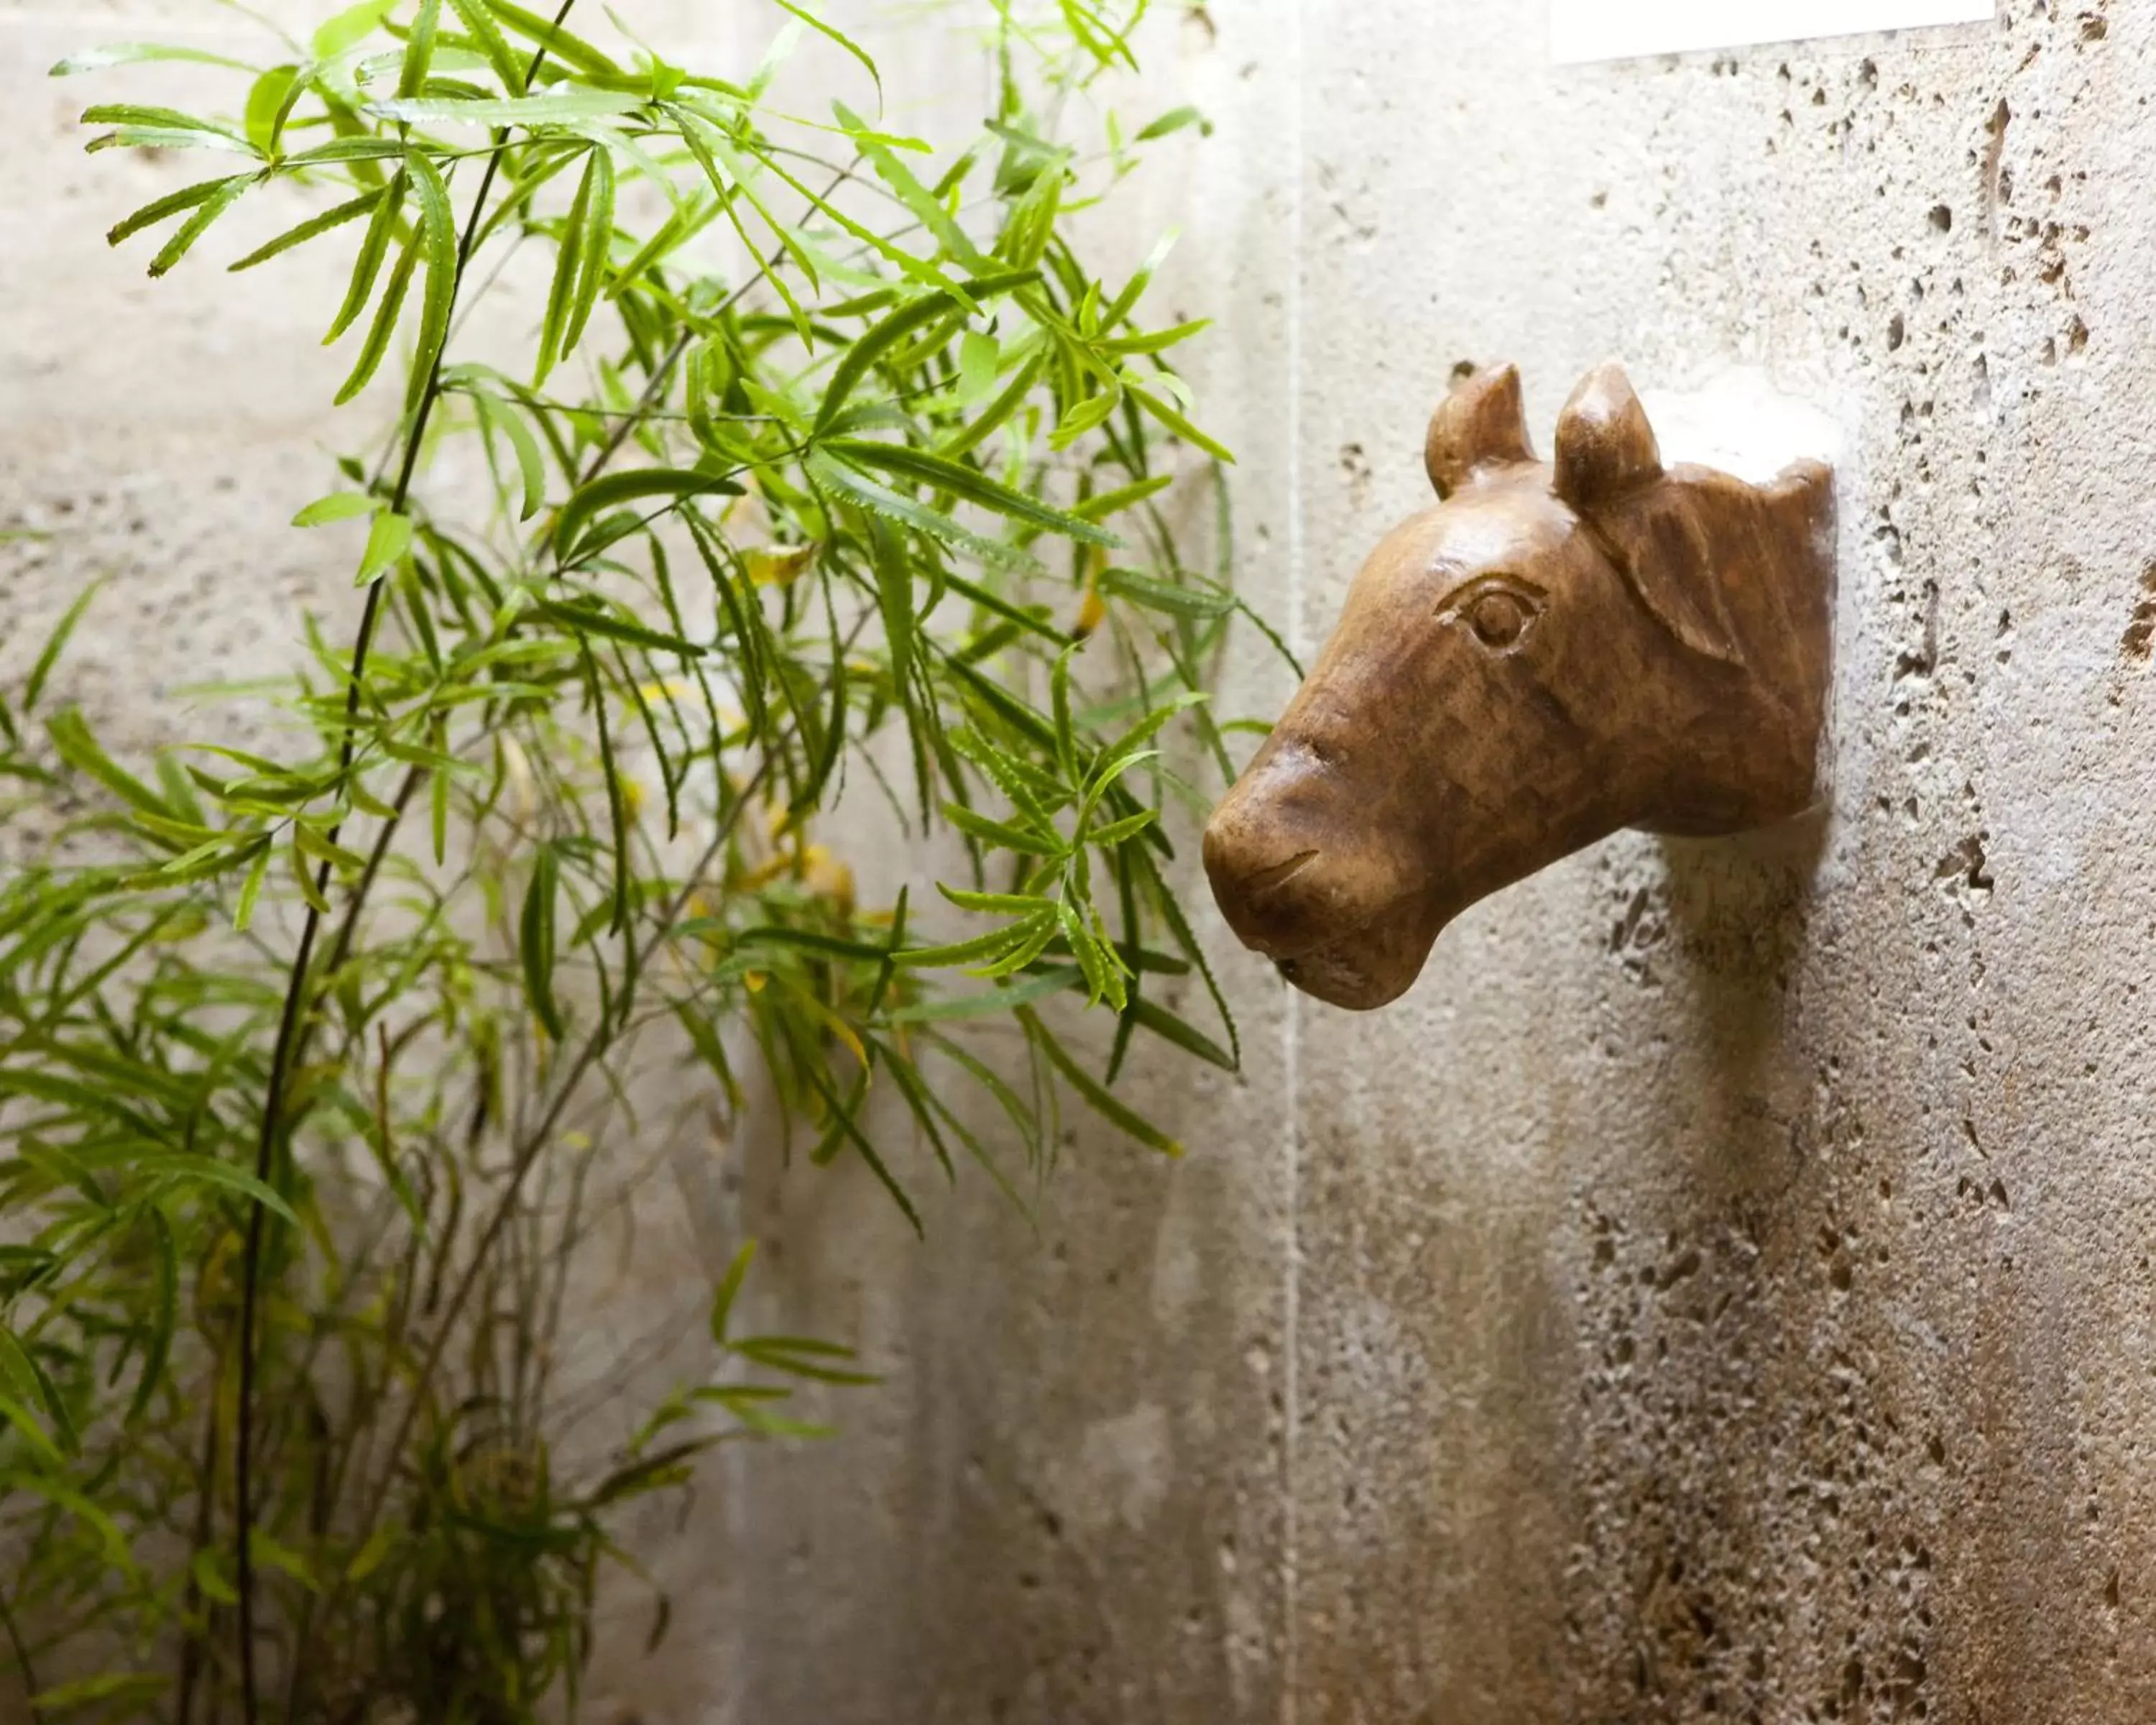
[(1617, 30)]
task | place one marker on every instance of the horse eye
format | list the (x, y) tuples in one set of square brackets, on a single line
[(1499, 618)]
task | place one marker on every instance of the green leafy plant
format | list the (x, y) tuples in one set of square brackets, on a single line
[(835, 468)]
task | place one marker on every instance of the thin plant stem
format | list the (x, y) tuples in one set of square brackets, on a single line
[(297, 990), (32, 1688), (535, 1139), (534, 1144)]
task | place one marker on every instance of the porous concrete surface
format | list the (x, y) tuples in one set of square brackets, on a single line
[(1721, 1290)]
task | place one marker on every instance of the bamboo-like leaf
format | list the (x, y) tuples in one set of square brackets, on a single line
[(1156, 341), (388, 540), (925, 207), (207, 1572), (303, 877), (312, 228), (1001, 412), (336, 506), (507, 67), (55, 645), (1116, 832), (197, 225), (497, 415), (1088, 415), (1102, 981), (572, 51), (148, 137), (998, 904), (270, 1554), (968, 484), (528, 110), (27, 1426), (1174, 120), (802, 1357), (61, 1496), (612, 491), (165, 1317), (998, 1002), (561, 297), (837, 35), (871, 349), (1123, 497), (171, 204), (857, 488), (437, 240), (130, 53), (1169, 597), (373, 247), (1058, 687), (438, 806), (1090, 1091), (132, 117), (19, 1373), (1178, 424), (184, 1171), (536, 940), (1029, 840), (385, 314), (731, 176), (81, 751), (375, 1551), (419, 48), (268, 105), (342, 152), (348, 29), (593, 246), (729, 1286), (250, 889), (318, 844), (1163, 1024), (589, 619), (981, 949), (895, 596)]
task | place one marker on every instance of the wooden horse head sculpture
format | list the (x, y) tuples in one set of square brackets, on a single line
[(1557, 650)]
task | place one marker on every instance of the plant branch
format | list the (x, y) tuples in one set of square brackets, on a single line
[(289, 1031), (536, 1139)]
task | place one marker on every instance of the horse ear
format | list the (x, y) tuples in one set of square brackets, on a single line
[(1610, 470), (1482, 423), (1605, 448), (1660, 541)]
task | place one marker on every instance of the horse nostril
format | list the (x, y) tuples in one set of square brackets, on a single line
[(1260, 881)]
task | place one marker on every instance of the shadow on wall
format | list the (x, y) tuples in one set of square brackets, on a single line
[(1738, 910)]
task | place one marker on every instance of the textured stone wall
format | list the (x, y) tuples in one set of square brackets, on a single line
[(1721, 1290)]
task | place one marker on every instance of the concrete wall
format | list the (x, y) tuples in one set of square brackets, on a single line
[(1721, 1290)]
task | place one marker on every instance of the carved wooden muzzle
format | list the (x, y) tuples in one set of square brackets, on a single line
[(1556, 651)]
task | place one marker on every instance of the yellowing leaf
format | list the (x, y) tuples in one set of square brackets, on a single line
[(778, 565), (828, 877)]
